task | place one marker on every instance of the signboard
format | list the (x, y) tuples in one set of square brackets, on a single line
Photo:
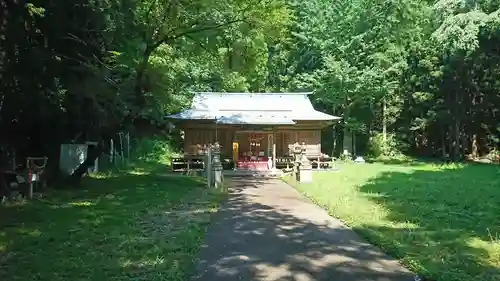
[(72, 156)]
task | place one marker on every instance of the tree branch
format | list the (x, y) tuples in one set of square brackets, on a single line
[(171, 36), (206, 28), (167, 13), (200, 45), (146, 34), (192, 31)]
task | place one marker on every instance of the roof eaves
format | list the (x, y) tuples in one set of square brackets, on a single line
[(251, 94)]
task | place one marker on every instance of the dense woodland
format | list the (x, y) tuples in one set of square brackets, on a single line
[(408, 76)]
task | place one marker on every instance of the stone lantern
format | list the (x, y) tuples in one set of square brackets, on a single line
[(302, 166), (297, 155), (305, 168)]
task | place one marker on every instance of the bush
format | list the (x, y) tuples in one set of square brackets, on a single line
[(391, 147), (156, 149), (494, 155)]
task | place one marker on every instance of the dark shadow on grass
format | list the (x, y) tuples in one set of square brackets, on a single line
[(404, 162), (451, 213), (267, 231), (391, 161), (121, 227)]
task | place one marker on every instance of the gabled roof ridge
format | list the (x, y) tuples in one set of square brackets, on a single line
[(254, 93), (260, 110)]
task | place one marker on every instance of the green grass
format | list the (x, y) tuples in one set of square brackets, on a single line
[(131, 225), (442, 221)]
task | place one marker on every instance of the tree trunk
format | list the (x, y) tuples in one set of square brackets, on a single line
[(443, 143), (353, 141), (456, 141), (140, 75), (4, 190), (384, 121), (474, 148), (473, 123), (340, 140)]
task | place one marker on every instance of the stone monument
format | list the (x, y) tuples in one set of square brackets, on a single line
[(208, 166), (217, 166)]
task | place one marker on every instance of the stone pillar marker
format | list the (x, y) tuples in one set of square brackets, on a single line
[(217, 166), (208, 166)]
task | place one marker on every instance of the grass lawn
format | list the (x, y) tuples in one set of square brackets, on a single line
[(123, 226), (442, 221)]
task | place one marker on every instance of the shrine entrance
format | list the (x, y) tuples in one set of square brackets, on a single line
[(253, 149)]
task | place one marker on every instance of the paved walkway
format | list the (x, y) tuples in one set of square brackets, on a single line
[(268, 231)]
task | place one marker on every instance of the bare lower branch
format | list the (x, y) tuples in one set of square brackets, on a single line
[(192, 31), (205, 28), (200, 45), (198, 27)]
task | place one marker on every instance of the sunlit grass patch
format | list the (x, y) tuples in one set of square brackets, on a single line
[(441, 220), (116, 226)]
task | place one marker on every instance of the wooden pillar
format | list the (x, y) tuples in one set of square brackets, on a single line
[(208, 166), (284, 149), (274, 148)]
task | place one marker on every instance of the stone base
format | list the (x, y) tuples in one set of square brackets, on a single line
[(305, 176)]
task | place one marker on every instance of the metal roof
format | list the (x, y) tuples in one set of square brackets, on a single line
[(251, 101), (252, 108), (254, 117)]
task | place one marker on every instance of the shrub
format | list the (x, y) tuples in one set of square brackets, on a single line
[(391, 147), (156, 149)]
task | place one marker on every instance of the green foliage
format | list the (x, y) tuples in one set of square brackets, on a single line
[(410, 68), (424, 71), (155, 150), (115, 64), (390, 146)]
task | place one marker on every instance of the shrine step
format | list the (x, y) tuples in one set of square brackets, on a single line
[(254, 173)]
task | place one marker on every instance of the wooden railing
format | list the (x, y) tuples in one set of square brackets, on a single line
[(188, 163), (284, 162), (192, 162), (320, 161)]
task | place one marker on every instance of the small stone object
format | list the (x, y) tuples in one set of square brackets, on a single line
[(484, 161), (359, 159), (270, 163)]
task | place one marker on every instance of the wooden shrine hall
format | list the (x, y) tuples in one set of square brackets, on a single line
[(252, 128)]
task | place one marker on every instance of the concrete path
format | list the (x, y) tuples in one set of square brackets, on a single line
[(268, 231)]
